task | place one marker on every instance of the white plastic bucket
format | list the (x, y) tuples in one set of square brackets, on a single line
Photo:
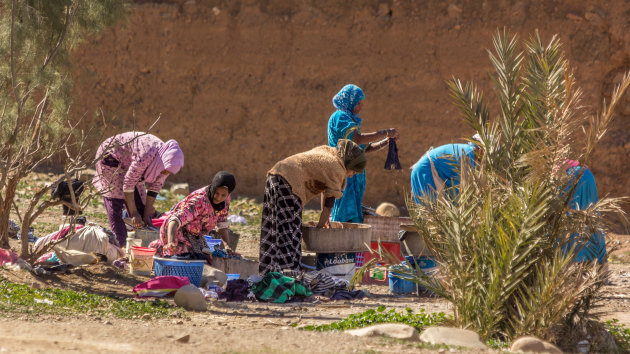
[(131, 242), (141, 260)]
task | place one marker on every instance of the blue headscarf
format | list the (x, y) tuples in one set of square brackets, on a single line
[(347, 98)]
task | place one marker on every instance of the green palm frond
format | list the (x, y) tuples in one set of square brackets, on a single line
[(505, 236)]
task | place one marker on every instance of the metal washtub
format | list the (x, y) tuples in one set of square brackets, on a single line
[(351, 238)]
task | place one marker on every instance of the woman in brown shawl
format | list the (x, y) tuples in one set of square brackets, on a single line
[(293, 182)]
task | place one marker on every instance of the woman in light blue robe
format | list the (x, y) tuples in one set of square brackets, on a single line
[(345, 122), (446, 159), (584, 195)]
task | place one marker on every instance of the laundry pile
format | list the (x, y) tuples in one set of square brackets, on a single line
[(272, 287), (87, 244)]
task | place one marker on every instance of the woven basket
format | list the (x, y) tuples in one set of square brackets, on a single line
[(386, 228)]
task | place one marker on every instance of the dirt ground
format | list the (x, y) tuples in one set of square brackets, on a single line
[(226, 327), (235, 327)]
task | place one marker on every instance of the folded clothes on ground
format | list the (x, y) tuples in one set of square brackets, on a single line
[(236, 290), (277, 288)]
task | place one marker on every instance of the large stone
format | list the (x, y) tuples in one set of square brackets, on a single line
[(213, 276), (392, 330), (531, 344), (452, 337), (180, 188), (190, 298)]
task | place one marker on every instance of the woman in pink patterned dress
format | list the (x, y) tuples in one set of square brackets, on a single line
[(199, 213), (126, 162)]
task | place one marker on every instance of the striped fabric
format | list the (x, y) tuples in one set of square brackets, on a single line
[(281, 228), (322, 283)]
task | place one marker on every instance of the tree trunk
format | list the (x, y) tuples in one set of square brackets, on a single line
[(26, 225), (5, 211), (4, 229)]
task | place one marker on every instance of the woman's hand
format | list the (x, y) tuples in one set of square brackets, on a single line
[(323, 225), (148, 221), (170, 246), (171, 241), (136, 220), (392, 133), (231, 252)]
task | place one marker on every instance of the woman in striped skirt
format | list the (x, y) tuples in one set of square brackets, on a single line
[(293, 182)]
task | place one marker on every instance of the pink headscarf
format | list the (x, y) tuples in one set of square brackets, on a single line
[(170, 157)]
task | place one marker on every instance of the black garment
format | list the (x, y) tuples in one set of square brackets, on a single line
[(221, 179), (62, 191), (392, 162), (342, 294), (236, 290)]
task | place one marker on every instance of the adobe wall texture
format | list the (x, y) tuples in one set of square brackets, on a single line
[(243, 84)]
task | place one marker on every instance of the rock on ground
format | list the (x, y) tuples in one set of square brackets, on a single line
[(190, 298), (392, 330), (213, 276), (452, 337), (530, 344)]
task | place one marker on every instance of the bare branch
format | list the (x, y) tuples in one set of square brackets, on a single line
[(17, 210), (69, 18), (4, 109), (12, 59)]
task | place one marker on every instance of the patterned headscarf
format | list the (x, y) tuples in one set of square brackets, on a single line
[(221, 179), (352, 155), (347, 98), (170, 157)]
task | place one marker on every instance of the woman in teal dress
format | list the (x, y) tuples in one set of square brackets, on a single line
[(446, 160), (345, 122), (585, 195)]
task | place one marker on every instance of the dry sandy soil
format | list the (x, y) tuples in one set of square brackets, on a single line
[(226, 327), (232, 327)]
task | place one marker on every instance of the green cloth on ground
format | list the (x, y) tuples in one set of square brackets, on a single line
[(278, 288)]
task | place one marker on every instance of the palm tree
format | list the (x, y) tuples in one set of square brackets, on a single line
[(501, 238)]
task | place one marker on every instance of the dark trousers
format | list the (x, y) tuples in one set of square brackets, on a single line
[(114, 208)]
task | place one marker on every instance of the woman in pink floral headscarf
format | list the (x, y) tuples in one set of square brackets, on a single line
[(203, 210), (126, 162)]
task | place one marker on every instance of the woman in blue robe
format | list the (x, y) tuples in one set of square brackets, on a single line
[(584, 195), (345, 122), (446, 159)]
